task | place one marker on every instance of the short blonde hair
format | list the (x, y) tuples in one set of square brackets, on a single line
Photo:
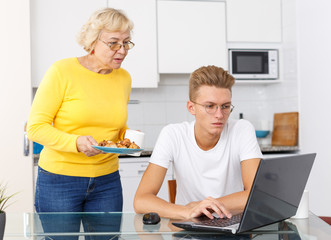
[(109, 19), (210, 76)]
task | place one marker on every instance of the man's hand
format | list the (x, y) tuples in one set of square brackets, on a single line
[(193, 204), (207, 207), (84, 145)]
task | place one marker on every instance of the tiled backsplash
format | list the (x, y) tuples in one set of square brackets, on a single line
[(167, 104), (158, 107)]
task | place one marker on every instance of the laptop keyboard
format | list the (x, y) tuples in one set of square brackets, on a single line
[(219, 222)]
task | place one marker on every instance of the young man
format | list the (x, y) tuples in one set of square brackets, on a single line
[(214, 159)]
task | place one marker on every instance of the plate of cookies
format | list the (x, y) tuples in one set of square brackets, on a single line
[(122, 147)]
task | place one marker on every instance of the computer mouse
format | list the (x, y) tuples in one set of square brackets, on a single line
[(151, 218)]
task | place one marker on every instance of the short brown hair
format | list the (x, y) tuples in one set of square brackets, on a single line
[(108, 19), (210, 76)]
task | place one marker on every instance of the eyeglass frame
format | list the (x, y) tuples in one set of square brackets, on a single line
[(217, 106), (122, 45)]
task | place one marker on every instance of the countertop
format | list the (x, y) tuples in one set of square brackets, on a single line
[(266, 149), (279, 149)]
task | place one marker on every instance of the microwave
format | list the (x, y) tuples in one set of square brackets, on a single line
[(251, 64)]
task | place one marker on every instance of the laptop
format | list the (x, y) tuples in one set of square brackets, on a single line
[(275, 196)]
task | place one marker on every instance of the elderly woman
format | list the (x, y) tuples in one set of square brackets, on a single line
[(80, 102)]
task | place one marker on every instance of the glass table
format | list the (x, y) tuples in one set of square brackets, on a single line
[(102, 226)]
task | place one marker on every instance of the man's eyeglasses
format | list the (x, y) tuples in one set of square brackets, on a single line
[(115, 46), (212, 108)]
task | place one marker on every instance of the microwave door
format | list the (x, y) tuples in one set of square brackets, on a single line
[(248, 64), (252, 64)]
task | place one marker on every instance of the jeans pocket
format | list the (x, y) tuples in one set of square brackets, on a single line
[(42, 171), (46, 178)]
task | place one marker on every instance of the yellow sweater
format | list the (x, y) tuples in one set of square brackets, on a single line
[(72, 101)]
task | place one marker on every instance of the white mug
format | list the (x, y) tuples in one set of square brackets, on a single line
[(137, 137), (303, 209)]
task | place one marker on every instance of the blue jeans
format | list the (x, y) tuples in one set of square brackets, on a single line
[(60, 193), (66, 223)]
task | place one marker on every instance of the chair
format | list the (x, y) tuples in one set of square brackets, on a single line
[(172, 186), (326, 219)]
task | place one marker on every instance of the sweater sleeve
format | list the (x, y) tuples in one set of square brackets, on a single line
[(47, 102), (121, 134)]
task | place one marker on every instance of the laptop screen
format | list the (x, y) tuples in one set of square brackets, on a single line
[(277, 190)]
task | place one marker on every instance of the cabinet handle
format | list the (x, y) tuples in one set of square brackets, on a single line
[(140, 172), (26, 144)]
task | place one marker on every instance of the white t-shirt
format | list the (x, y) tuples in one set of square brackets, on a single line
[(199, 173)]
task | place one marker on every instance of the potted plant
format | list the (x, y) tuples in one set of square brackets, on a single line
[(3, 205)]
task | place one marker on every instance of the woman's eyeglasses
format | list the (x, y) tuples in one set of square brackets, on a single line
[(115, 46)]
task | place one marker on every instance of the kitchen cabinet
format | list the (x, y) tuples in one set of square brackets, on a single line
[(141, 62), (131, 170), (55, 24), (191, 34), (254, 20)]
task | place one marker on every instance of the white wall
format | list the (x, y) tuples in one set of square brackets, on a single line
[(314, 51), (15, 101)]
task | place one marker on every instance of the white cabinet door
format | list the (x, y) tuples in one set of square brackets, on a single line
[(131, 171), (191, 34), (254, 21), (15, 100), (54, 27), (141, 61)]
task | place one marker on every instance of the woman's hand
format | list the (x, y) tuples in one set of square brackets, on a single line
[(84, 145), (207, 207)]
